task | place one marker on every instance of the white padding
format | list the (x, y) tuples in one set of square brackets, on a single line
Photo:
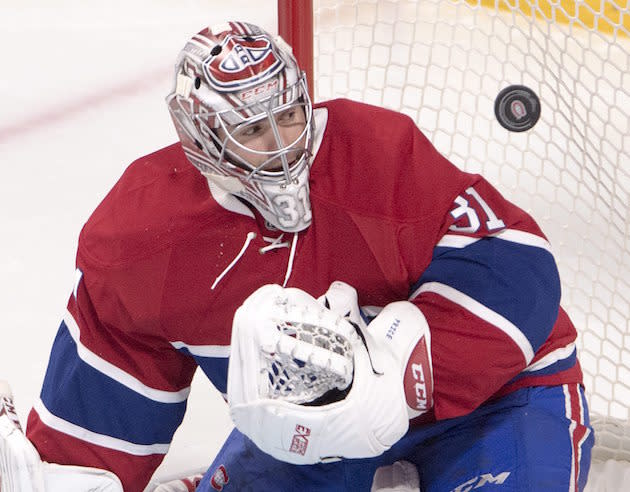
[(65, 478), (367, 422), (402, 476)]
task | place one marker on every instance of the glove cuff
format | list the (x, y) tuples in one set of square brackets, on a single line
[(403, 330)]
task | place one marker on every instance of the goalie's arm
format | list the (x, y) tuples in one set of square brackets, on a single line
[(112, 398), (490, 306)]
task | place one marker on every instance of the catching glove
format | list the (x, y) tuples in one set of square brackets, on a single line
[(309, 384)]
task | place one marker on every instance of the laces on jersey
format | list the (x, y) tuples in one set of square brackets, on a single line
[(250, 237), (274, 243)]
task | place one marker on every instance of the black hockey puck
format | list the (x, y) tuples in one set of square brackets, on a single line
[(517, 108)]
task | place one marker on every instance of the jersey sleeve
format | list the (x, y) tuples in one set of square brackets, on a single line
[(115, 389), (490, 295)]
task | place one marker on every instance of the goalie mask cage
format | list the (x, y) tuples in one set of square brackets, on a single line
[(443, 63)]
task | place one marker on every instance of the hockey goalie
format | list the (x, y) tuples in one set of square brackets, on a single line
[(375, 317)]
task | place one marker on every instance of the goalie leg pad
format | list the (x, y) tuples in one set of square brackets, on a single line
[(67, 478), (20, 464), (401, 476)]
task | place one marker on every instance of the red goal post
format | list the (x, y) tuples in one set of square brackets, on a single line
[(444, 62), (295, 26)]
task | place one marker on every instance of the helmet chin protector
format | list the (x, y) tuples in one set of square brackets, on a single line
[(231, 81)]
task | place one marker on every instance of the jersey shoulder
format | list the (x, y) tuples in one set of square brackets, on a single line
[(379, 162), (153, 203)]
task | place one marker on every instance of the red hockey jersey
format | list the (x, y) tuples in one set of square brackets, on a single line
[(164, 262)]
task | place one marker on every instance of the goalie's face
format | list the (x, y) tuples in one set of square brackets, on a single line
[(242, 111), (271, 144)]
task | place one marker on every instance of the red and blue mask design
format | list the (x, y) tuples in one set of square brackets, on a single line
[(240, 62)]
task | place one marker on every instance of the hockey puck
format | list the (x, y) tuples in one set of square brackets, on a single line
[(517, 108)]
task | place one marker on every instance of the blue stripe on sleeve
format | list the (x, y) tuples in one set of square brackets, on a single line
[(78, 393), (517, 281), (215, 368)]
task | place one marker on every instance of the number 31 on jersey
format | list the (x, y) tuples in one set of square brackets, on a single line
[(464, 208)]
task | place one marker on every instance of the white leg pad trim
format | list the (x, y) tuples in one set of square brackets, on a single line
[(402, 476)]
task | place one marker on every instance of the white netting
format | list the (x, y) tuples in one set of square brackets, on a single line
[(444, 62), (296, 377)]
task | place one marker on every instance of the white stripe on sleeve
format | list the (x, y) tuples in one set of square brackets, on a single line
[(118, 374), (222, 351), (512, 235), (551, 358), (481, 311), (456, 241), (526, 238), (109, 442)]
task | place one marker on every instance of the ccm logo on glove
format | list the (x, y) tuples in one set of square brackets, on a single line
[(418, 379)]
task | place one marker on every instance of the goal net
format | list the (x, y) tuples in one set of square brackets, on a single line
[(444, 63)]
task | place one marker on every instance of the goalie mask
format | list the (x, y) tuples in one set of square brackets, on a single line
[(242, 112)]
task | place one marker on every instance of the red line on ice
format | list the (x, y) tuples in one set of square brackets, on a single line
[(71, 108)]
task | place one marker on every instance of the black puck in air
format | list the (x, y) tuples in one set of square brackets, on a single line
[(517, 108)]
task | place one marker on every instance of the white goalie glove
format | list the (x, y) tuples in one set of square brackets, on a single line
[(306, 386), (22, 470)]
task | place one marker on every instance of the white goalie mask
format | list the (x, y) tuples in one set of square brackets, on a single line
[(241, 108)]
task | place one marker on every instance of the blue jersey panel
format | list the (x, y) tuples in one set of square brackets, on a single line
[(125, 414), (216, 368), (495, 272)]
